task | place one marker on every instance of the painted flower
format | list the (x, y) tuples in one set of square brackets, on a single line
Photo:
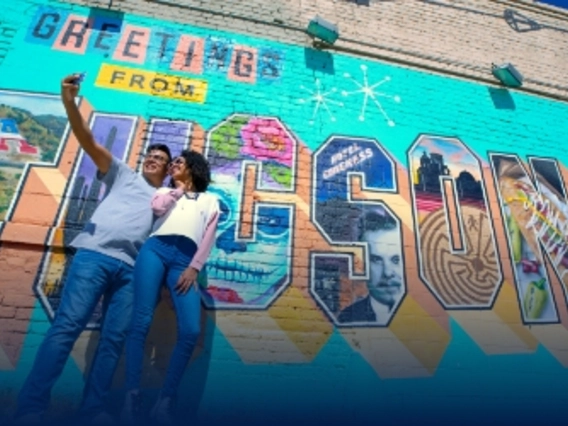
[(266, 139)]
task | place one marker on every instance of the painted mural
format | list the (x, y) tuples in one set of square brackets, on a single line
[(457, 250), (31, 128), (250, 267), (535, 220), (372, 297), (352, 215)]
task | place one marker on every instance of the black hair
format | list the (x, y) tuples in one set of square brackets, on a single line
[(160, 147), (375, 219), (198, 169)]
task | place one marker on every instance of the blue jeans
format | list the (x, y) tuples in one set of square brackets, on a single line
[(91, 276), (162, 259)]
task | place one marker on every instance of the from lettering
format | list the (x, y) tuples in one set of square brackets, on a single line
[(161, 81), (138, 80), (187, 90), (116, 75)]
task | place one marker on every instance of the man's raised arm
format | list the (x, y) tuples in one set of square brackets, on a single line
[(99, 154)]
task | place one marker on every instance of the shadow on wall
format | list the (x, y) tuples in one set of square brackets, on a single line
[(519, 22), (105, 22), (319, 60), (159, 347), (114, 16), (501, 98)]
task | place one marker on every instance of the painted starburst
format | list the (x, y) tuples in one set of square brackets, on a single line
[(320, 100), (370, 92)]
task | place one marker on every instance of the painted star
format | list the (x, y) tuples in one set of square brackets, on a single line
[(321, 100), (369, 91)]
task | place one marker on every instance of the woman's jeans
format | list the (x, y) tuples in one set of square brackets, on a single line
[(162, 259)]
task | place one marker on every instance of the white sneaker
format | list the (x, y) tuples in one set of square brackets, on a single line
[(130, 413), (162, 413)]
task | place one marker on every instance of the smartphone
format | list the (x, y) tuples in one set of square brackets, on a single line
[(81, 77)]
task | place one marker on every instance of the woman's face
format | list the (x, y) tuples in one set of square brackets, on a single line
[(178, 169)]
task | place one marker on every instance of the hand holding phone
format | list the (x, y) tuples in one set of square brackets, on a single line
[(70, 87), (80, 78)]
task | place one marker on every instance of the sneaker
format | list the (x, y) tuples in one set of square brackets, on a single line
[(162, 413), (27, 420), (130, 413)]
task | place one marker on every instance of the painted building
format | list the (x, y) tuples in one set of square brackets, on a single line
[(392, 246)]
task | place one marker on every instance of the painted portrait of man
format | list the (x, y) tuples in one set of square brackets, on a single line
[(380, 231)]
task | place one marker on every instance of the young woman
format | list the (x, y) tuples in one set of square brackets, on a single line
[(177, 249)]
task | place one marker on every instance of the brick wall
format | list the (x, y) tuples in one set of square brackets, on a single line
[(418, 33), (393, 235)]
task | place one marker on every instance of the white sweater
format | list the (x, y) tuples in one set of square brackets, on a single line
[(192, 215)]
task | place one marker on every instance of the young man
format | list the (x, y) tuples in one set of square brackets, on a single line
[(102, 266)]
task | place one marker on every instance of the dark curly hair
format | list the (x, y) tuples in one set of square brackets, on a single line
[(198, 169)]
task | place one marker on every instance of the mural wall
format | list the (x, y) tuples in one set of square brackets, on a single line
[(388, 237)]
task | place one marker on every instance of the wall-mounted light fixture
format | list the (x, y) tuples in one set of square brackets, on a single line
[(507, 74), (323, 30)]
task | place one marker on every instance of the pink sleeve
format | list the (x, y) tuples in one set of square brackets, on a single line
[(162, 202), (206, 245)]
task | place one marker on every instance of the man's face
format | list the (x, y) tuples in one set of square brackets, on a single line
[(155, 165), (385, 284)]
